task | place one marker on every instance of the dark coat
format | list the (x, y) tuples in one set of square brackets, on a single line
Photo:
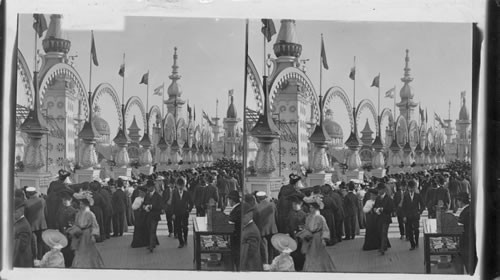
[(265, 218), (181, 205), (211, 192), (118, 201), (107, 197), (23, 255), (34, 211), (350, 205), (467, 242), (295, 222), (388, 207), (199, 196), (339, 203), (235, 217), (156, 202), (413, 209), (166, 197), (398, 197), (222, 186), (250, 254)]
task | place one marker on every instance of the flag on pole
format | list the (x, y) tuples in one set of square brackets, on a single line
[(231, 92), (194, 112), (40, 24), (268, 29), (122, 70), (426, 115), (93, 51), (145, 79), (323, 54), (376, 81), (421, 111), (158, 90), (439, 120), (205, 116), (352, 74), (390, 93)]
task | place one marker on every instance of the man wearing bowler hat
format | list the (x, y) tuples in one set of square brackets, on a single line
[(23, 255), (233, 199)]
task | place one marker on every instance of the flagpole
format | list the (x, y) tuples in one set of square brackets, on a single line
[(245, 148), (90, 77), (378, 109), (264, 64), (147, 106), (163, 111), (354, 97), (321, 66), (123, 96)]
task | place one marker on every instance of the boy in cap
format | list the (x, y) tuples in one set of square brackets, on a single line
[(23, 255), (53, 258)]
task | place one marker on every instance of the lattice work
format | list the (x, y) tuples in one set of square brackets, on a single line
[(333, 92), (134, 100), (108, 89)]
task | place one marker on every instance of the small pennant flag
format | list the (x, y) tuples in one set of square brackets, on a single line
[(323, 54), (39, 24), (122, 70), (145, 79), (194, 112), (93, 51), (352, 74), (159, 90), (390, 93), (231, 92), (268, 29), (376, 81)]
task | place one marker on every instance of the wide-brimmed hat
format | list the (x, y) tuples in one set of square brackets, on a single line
[(283, 243), (63, 174), (54, 239), (84, 195)]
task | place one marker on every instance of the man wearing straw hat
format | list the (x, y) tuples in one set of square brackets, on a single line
[(265, 219), (34, 211)]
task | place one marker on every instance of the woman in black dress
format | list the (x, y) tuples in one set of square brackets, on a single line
[(372, 238), (141, 235)]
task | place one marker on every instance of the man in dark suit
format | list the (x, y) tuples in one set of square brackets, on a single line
[(211, 195), (107, 212), (265, 219), (233, 198), (23, 255), (167, 203), (398, 203), (350, 210), (384, 206), (118, 201), (34, 211), (153, 206), (338, 215), (413, 206), (223, 189), (182, 205)]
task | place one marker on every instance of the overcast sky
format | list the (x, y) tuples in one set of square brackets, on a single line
[(211, 57), (440, 60)]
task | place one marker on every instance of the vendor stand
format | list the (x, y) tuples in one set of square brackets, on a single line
[(442, 243), (212, 242)]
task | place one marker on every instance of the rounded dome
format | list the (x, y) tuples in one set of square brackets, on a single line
[(464, 114), (333, 129), (101, 126), (174, 89), (406, 92)]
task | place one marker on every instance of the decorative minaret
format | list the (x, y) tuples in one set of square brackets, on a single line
[(319, 164), (133, 131), (378, 162), (266, 132), (463, 123), (395, 160), (230, 122), (419, 158), (407, 105), (367, 135), (427, 156), (174, 102), (60, 97), (88, 155)]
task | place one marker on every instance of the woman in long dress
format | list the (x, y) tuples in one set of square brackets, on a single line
[(86, 253), (314, 237), (372, 238), (141, 235)]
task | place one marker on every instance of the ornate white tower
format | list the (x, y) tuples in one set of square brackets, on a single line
[(407, 105), (463, 138), (174, 102), (230, 123)]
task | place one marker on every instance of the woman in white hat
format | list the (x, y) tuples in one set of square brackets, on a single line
[(56, 241), (314, 238), (84, 233), (284, 244)]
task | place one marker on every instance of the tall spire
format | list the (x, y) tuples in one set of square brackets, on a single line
[(287, 43), (407, 78), (174, 91)]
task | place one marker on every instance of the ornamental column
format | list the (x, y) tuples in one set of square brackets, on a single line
[(122, 159), (395, 159)]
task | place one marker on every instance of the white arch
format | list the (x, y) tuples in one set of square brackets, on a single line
[(106, 88), (401, 121), (69, 72), (338, 92), (134, 100), (154, 112), (169, 128), (23, 71), (256, 83), (367, 104), (289, 74)]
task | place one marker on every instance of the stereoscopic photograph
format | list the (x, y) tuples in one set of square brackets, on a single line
[(359, 134), (272, 145)]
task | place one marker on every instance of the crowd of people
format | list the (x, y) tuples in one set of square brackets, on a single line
[(308, 220), (60, 228)]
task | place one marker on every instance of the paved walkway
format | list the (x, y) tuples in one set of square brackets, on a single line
[(347, 255)]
